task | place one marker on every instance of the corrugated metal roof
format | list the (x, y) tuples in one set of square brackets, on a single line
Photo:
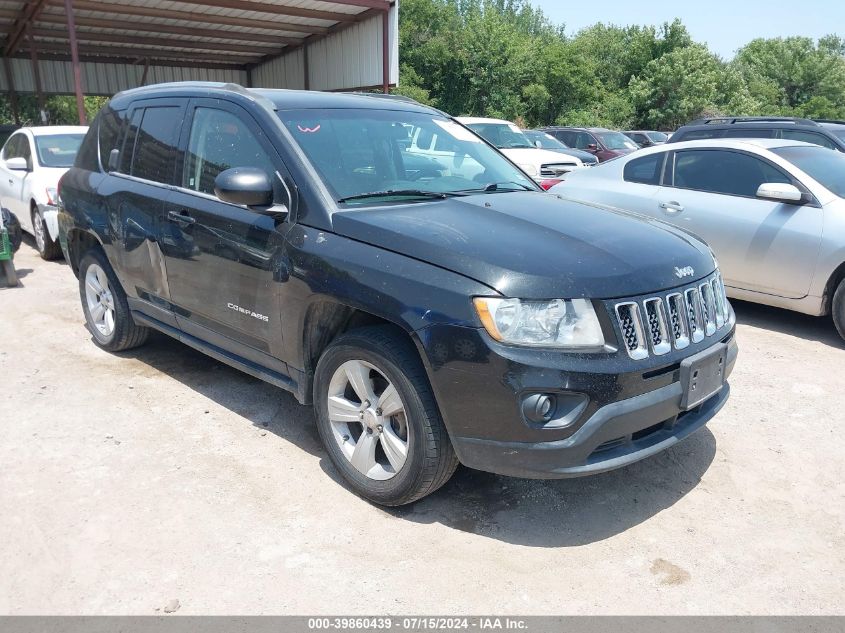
[(219, 40)]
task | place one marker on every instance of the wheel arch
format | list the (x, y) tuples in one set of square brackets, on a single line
[(79, 242), (830, 288), (327, 319)]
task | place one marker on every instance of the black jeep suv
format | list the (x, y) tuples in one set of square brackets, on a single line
[(432, 314), (824, 132)]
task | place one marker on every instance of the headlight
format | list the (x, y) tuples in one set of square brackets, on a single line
[(52, 196), (564, 323)]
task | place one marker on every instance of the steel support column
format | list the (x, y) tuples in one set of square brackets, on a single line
[(74, 56), (36, 75), (13, 95), (385, 51)]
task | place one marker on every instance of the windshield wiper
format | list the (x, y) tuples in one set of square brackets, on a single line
[(439, 195), (497, 187)]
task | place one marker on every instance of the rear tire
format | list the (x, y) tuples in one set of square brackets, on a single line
[(837, 308), (410, 455), (47, 248), (107, 314)]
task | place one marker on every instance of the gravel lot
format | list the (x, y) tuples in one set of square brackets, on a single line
[(130, 481)]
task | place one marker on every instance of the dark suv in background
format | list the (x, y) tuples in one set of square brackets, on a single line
[(430, 316), (604, 144), (824, 132)]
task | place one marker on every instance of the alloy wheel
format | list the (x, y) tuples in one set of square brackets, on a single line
[(38, 227), (368, 420), (100, 300)]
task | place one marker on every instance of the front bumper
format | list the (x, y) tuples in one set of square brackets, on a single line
[(633, 411), (616, 435), (51, 219)]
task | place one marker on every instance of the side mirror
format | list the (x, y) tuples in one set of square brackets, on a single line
[(592, 147), (114, 160), (538, 145), (782, 192), (247, 186), (18, 163)]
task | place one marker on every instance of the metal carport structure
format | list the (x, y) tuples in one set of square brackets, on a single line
[(99, 47)]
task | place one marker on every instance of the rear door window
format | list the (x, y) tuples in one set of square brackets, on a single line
[(109, 130), (725, 172), (645, 170), (808, 137), (155, 146)]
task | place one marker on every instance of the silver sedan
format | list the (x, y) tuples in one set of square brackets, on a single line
[(773, 211)]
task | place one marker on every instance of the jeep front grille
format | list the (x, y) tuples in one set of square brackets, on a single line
[(659, 324)]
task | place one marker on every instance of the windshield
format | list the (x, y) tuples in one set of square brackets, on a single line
[(616, 140), (502, 135), (657, 137), (396, 155), (824, 166), (547, 141), (58, 150)]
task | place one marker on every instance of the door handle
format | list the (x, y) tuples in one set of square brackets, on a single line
[(181, 217), (672, 207), (11, 182)]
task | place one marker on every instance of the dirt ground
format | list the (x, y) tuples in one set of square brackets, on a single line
[(131, 481)]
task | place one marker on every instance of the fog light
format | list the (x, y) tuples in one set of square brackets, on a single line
[(538, 408)]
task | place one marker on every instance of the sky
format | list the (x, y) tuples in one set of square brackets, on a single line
[(724, 25)]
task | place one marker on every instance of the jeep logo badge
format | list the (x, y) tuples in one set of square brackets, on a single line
[(686, 271)]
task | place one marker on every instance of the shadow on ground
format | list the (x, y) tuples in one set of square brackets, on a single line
[(535, 513), (810, 328)]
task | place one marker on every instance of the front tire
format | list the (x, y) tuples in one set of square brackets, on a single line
[(378, 419), (837, 308), (47, 247), (104, 303)]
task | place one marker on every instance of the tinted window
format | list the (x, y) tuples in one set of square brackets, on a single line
[(645, 170), (57, 150), (109, 134), (658, 137), (566, 136), (87, 156), (155, 151), (129, 142), (219, 141), (731, 173), (808, 137), (827, 168), (748, 133), (696, 135)]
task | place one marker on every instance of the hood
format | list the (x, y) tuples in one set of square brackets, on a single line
[(580, 154), (534, 156), (533, 245)]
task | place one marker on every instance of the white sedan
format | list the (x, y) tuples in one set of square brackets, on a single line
[(773, 211), (31, 163)]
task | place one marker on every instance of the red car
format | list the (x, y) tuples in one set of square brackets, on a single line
[(601, 142)]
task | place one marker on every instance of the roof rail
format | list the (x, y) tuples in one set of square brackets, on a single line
[(836, 121), (723, 120)]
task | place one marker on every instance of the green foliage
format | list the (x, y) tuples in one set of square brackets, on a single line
[(61, 109), (505, 58)]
